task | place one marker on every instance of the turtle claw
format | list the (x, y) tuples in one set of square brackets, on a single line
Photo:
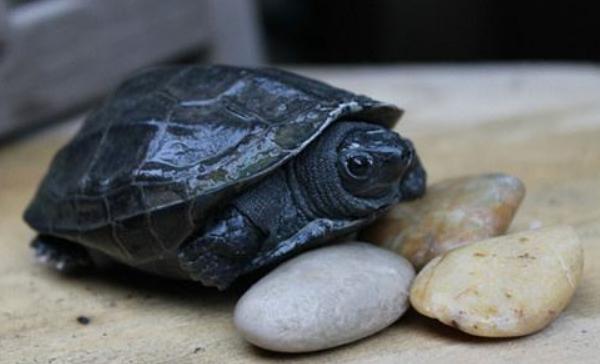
[(60, 255)]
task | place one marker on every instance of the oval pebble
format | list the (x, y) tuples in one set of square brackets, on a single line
[(324, 298), (453, 212), (502, 287)]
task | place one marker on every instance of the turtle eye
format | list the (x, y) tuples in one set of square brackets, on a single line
[(359, 165)]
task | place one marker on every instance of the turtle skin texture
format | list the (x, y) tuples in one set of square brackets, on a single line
[(174, 144)]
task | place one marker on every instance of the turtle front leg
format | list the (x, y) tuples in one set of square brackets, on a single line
[(61, 254), (220, 254)]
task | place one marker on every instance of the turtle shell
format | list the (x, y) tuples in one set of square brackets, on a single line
[(174, 142)]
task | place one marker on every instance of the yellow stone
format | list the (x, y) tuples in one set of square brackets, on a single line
[(507, 286), (452, 213)]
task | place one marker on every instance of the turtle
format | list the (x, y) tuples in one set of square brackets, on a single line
[(211, 172)]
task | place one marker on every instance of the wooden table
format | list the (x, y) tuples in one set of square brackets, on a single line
[(538, 122)]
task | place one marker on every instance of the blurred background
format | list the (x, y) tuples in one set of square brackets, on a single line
[(391, 31), (58, 57)]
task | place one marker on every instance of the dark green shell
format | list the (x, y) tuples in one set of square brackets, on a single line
[(174, 142)]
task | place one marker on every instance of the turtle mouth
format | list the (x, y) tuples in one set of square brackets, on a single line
[(414, 182), (397, 162)]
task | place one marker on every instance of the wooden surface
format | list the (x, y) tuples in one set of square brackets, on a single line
[(538, 122)]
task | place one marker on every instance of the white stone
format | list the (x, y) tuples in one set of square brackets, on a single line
[(324, 298)]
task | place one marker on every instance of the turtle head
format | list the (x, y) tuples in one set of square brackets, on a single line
[(356, 169), (373, 161)]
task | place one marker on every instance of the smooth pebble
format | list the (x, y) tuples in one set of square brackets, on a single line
[(508, 286), (452, 213), (324, 298)]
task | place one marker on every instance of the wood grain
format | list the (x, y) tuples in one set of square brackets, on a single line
[(538, 122)]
